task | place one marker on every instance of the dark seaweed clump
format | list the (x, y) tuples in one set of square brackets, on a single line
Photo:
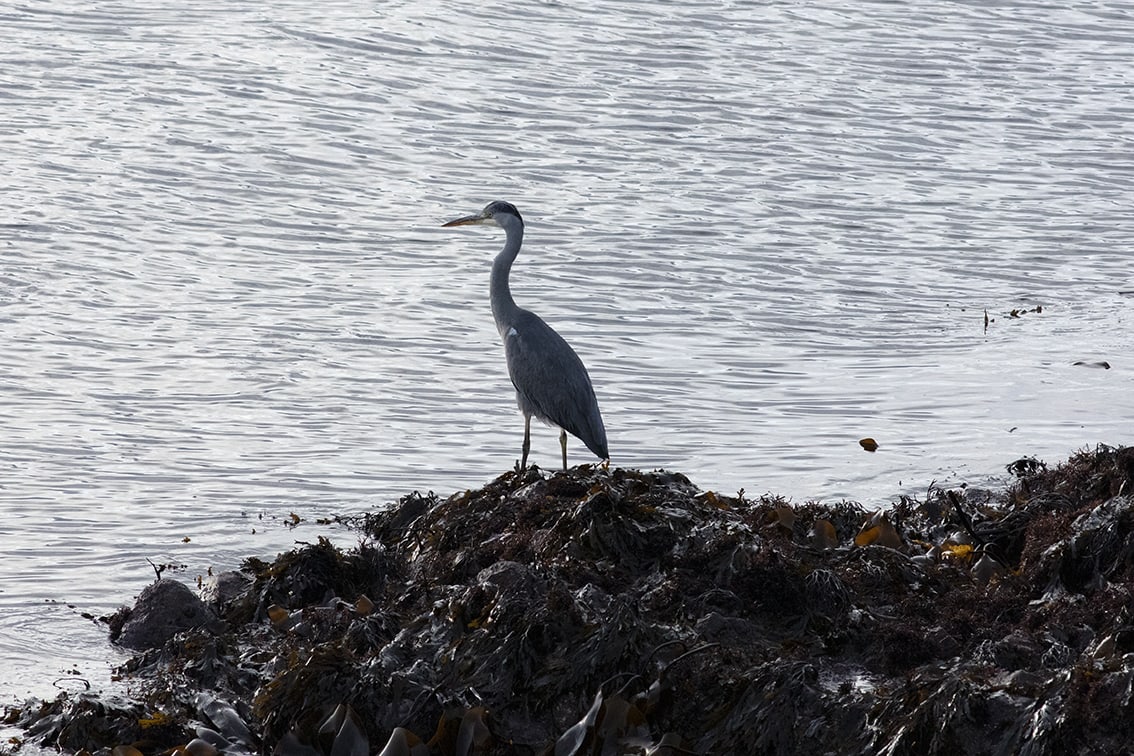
[(624, 612)]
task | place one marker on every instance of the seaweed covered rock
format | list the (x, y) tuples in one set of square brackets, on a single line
[(622, 612)]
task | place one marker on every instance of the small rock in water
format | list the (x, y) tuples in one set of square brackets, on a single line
[(163, 609)]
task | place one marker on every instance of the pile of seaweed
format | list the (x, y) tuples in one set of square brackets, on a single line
[(624, 612)]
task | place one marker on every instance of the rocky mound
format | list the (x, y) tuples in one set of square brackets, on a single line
[(622, 612)]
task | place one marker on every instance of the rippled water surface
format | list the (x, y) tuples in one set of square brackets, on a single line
[(769, 229)]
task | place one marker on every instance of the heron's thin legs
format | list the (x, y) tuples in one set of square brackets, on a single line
[(527, 441), (563, 443)]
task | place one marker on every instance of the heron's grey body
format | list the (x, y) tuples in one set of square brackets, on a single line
[(550, 380)]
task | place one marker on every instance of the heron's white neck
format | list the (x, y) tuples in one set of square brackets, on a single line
[(503, 306)]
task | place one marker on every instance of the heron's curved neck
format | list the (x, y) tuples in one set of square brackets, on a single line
[(503, 306)]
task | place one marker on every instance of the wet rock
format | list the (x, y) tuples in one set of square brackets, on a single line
[(218, 590), (163, 609)]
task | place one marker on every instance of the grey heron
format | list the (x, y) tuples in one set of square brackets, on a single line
[(550, 380)]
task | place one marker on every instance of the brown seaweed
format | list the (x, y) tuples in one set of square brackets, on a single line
[(625, 612)]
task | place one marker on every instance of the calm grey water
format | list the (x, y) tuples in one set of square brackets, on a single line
[(770, 229)]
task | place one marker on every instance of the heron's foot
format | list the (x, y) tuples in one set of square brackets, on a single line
[(606, 464)]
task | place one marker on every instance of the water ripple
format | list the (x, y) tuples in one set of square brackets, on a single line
[(770, 230)]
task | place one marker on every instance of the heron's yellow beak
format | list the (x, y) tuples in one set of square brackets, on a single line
[(464, 221)]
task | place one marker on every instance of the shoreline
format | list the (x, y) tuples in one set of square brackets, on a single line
[(630, 612)]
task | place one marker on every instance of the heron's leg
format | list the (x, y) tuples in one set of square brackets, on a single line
[(527, 441), (563, 443)]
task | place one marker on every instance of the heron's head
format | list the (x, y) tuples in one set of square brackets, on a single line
[(494, 214)]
